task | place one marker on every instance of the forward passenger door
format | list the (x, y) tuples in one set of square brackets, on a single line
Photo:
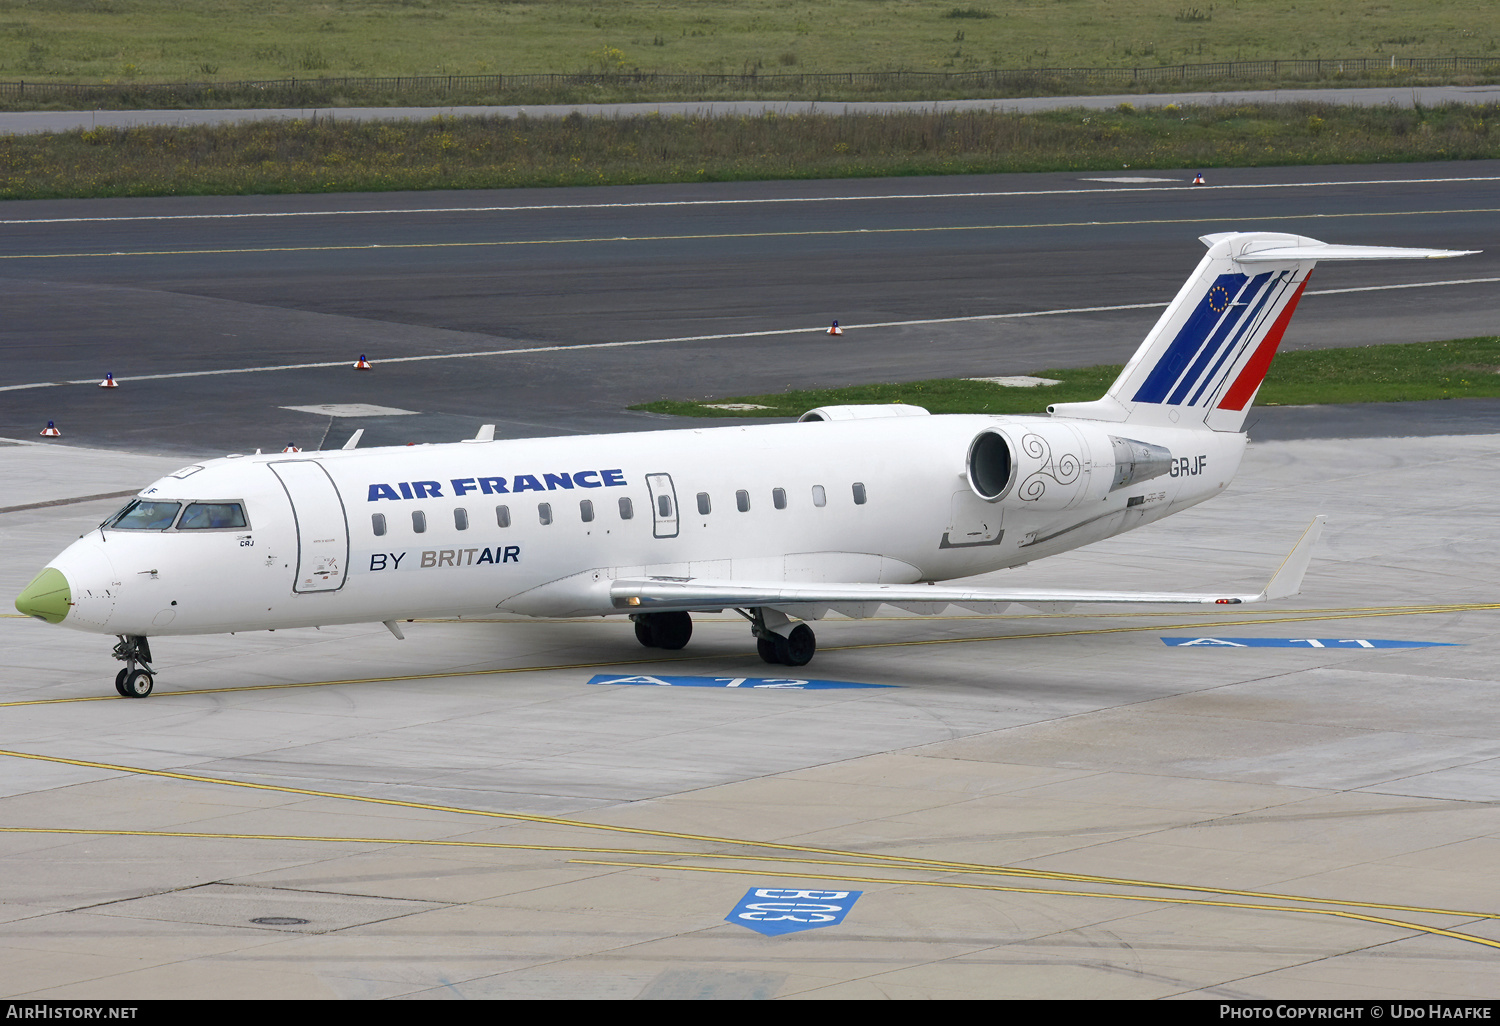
[(322, 527)]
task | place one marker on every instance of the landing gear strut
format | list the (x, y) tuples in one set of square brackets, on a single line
[(137, 679), (663, 630), (777, 641)]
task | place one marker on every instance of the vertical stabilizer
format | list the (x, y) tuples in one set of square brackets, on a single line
[(1205, 359)]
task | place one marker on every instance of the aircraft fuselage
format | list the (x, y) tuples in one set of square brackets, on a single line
[(541, 526)]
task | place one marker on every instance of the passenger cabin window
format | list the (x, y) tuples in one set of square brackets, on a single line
[(704, 506), (586, 510), (859, 493), (664, 505), (377, 523), (627, 509), (544, 512), (209, 516), (460, 519), (778, 498), (820, 497), (742, 500), (418, 521), (502, 516), (145, 516)]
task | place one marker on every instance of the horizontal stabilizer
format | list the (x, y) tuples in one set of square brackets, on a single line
[(655, 594), (1296, 254)]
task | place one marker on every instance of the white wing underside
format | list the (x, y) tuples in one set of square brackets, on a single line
[(657, 594)]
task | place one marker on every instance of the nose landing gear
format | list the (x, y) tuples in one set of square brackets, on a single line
[(137, 679)]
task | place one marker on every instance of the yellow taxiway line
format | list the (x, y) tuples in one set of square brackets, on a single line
[(870, 862), (1455, 935)]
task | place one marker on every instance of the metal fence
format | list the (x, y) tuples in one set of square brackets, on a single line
[(871, 81)]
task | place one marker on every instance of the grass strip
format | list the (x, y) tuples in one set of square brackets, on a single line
[(589, 88), (142, 41), (445, 152), (1459, 369)]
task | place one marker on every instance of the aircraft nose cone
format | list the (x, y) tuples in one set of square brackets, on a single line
[(47, 597)]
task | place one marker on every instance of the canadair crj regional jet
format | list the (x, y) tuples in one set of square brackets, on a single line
[(850, 508)]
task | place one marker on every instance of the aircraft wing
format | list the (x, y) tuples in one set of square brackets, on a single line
[(658, 594)]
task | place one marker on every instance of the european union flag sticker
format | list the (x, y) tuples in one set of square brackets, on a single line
[(774, 911)]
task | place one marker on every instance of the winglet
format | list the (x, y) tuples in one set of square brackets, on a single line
[(1287, 580)]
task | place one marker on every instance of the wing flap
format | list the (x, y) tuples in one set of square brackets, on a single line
[(650, 594)]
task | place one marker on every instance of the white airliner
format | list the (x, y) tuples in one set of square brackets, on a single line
[(850, 508)]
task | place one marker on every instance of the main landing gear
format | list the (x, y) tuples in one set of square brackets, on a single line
[(777, 640), (137, 679), (663, 630)]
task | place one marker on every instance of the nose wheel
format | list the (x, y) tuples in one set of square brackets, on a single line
[(137, 679)]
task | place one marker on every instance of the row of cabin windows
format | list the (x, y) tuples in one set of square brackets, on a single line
[(627, 509), (502, 516), (778, 499)]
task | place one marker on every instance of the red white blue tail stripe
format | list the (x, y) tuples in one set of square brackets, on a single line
[(1207, 356)]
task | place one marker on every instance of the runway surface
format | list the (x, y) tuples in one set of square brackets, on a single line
[(583, 302), (1036, 805)]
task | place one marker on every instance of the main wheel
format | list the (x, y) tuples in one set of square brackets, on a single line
[(645, 633), (673, 629), (138, 684), (767, 651), (800, 646), (120, 683)]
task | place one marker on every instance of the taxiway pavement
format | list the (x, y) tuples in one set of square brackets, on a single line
[(463, 814)]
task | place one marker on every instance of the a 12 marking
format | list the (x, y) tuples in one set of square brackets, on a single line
[(777, 683)]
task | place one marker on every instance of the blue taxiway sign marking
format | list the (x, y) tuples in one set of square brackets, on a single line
[(1348, 643), (781, 683), (777, 910)]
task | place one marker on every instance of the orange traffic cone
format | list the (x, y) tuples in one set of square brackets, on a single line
[(50, 431), (291, 448), (109, 382), (1198, 178), (835, 330), (363, 364)]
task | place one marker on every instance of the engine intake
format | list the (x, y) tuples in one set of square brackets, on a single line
[(992, 466)]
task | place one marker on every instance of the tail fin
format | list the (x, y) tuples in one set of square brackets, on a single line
[(1205, 359)]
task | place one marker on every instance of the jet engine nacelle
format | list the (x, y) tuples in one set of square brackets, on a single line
[(1053, 466), (863, 411)]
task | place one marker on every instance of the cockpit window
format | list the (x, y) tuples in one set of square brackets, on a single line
[(145, 516), (200, 516)]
